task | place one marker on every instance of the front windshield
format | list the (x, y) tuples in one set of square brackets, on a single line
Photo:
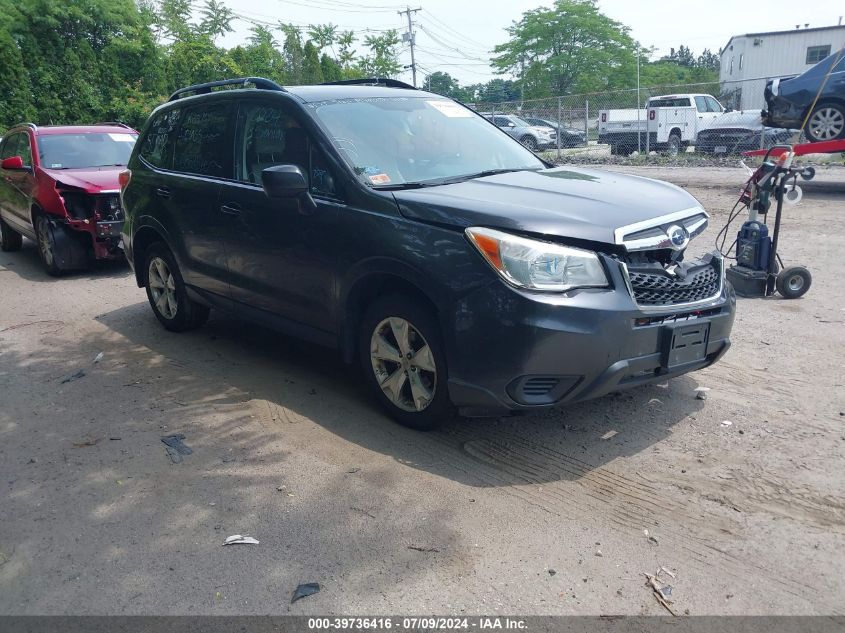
[(395, 141), (96, 149)]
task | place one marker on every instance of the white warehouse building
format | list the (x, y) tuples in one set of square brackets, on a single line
[(747, 61)]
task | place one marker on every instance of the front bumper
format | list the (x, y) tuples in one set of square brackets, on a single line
[(512, 350)]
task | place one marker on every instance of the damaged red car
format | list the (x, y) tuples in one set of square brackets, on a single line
[(59, 186)]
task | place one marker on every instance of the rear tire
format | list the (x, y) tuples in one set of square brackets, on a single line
[(404, 363), (793, 282), (673, 146), (10, 239), (826, 123), (167, 294)]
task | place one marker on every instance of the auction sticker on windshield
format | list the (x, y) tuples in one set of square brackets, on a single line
[(450, 109), (379, 179)]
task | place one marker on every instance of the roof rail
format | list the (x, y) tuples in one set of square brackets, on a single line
[(29, 125), (259, 82), (371, 81), (114, 123)]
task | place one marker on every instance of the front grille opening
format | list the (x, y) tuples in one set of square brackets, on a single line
[(79, 206), (656, 286), (674, 318)]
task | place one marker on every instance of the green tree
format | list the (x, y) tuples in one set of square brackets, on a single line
[(216, 19), (571, 47), (383, 60), (330, 68), (441, 83), (312, 72), (292, 53), (323, 35), (261, 56)]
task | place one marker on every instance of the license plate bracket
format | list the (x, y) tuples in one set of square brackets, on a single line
[(109, 228), (684, 344)]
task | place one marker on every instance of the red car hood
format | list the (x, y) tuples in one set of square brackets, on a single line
[(91, 179)]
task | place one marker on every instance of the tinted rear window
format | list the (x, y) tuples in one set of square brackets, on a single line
[(669, 103), (157, 146), (201, 146)]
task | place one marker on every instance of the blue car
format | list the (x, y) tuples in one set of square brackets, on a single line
[(792, 101)]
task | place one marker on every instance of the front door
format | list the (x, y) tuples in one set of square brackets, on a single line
[(18, 186), (281, 252)]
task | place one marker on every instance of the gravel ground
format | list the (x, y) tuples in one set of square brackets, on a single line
[(530, 515)]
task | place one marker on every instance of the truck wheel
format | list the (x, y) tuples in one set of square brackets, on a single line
[(404, 363), (793, 282), (673, 147), (826, 123), (167, 294), (47, 245), (10, 239), (529, 142)]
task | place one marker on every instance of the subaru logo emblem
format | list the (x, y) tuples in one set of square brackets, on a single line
[(678, 236)]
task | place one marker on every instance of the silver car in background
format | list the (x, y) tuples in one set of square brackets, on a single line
[(533, 137)]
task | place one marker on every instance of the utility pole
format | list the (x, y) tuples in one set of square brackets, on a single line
[(411, 39)]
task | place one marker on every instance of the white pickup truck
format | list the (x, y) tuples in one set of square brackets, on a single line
[(668, 123)]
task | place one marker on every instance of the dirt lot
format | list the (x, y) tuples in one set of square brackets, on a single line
[(529, 515)]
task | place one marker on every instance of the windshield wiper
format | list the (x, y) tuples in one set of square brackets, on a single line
[(407, 185), (488, 172)]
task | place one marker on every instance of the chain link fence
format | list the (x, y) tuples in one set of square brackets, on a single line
[(671, 120)]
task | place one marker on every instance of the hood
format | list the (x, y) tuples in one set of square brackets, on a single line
[(582, 204), (91, 179)]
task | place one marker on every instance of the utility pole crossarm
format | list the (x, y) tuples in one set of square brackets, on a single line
[(411, 39)]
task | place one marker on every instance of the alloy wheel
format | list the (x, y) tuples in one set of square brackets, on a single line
[(827, 123), (45, 241), (162, 287), (403, 364)]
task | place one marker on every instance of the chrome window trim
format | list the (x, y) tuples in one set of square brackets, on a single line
[(657, 241), (677, 306)]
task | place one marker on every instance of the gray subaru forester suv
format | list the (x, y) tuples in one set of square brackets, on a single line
[(460, 270)]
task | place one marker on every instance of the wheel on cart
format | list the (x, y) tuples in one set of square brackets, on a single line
[(793, 282)]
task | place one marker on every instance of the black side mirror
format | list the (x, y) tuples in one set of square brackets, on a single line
[(287, 181), (283, 181)]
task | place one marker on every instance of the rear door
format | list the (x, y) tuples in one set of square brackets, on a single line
[(281, 253), (190, 191)]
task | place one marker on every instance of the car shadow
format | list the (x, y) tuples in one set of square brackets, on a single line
[(27, 265), (300, 381)]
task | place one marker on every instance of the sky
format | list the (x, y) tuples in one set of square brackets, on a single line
[(455, 36)]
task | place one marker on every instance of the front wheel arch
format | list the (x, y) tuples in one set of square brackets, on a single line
[(363, 293)]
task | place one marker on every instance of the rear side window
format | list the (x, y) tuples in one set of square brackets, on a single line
[(677, 102), (157, 146), (700, 104), (201, 146)]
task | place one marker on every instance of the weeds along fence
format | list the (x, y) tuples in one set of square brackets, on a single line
[(616, 123)]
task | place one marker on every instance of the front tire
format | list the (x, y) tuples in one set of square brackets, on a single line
[(826, 123), (45, 237), (529, 142), (10, 239), (167, 294), (403, 362)]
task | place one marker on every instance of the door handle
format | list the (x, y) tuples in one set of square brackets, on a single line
[(163, 192), (230, 208)]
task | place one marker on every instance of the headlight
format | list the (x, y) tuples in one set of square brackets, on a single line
[(538, 265)]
